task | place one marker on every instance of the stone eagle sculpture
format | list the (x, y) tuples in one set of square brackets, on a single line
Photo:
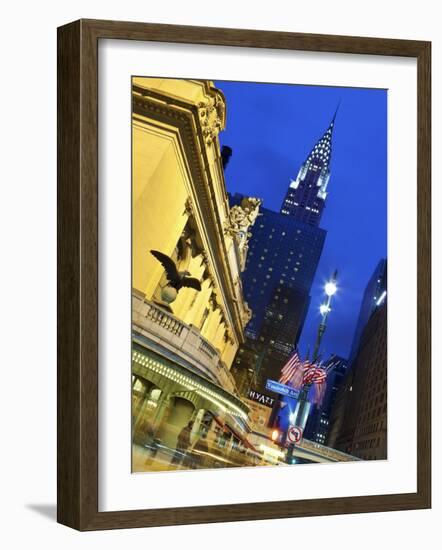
[(175, 279)]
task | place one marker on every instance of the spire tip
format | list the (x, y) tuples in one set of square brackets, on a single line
[(336, 111)]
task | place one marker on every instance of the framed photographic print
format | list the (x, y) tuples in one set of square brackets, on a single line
[(243, 275)]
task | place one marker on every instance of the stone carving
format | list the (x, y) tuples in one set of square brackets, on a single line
[(228, 337), (212, 117), (204, 258), (241, 218), (246, 314), (188, 207), (212, 301)]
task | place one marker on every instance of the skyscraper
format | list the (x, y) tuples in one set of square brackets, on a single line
[(358, 420), (305, 197), (281, 264), (374, 294), (284, 252)]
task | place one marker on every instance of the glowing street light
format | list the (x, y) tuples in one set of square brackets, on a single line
[(300, 416), (330, 288)]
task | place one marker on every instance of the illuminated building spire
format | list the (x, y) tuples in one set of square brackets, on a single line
[(321, 152), (305, 198)]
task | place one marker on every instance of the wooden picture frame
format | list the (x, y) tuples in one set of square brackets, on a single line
[(78, 274)]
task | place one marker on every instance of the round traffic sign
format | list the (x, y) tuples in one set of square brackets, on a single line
[(294, 434)]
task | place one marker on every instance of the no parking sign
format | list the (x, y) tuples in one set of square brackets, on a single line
[(294, 434)]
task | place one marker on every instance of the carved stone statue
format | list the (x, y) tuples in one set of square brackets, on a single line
[(246, 314), (241, 218), (212, 114), (244, 216)]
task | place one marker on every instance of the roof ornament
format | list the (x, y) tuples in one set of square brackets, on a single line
[(321, 152)]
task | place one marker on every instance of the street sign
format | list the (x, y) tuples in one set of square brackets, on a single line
[(294, 434), (282, 389)]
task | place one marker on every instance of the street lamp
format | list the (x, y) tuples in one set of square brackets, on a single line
[(330, 290), (300, 416)]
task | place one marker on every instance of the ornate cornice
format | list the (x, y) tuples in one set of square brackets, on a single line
[(185, 117)]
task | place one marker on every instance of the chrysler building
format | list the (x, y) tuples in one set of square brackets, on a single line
[(305, 198)]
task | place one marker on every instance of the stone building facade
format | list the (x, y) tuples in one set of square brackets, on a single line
[(183, 348)]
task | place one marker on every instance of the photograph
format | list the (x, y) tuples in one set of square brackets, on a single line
[(259, 274), (224, 215)]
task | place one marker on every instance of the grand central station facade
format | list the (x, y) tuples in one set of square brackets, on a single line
[(185, 338)]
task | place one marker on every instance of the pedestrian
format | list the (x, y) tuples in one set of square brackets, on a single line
[(183, 443)]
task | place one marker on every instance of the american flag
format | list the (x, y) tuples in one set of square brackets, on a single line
[(316, 377), (299, 373), (294, 370)]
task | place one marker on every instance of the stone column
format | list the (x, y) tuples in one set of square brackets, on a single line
[(163, 404)]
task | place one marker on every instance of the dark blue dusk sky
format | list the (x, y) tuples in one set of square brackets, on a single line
[(271, 129)]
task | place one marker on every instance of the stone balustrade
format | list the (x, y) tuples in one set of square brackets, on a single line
[(166, 331)]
